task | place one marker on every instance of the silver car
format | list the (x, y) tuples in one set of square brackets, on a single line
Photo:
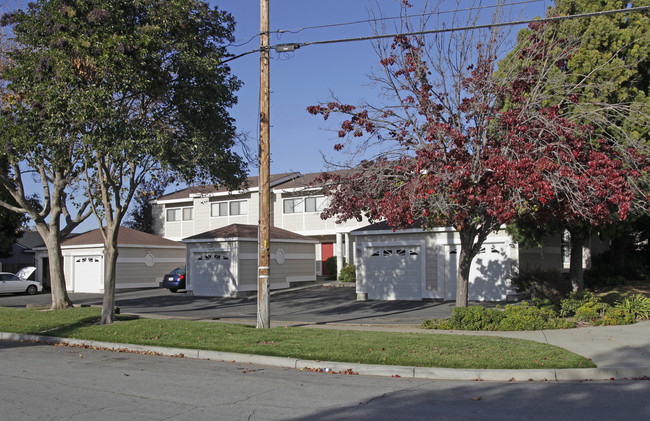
[(18, 282)]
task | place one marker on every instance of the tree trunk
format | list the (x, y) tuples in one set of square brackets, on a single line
[(110, 260), (60, 299), (59, 293), (465, 257), (576, 271)]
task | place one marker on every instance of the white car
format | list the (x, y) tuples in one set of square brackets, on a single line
[(12, 283)]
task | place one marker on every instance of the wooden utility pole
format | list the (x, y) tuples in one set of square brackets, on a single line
[(264, 240)]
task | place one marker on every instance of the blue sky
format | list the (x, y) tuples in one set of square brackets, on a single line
[(312, 74)]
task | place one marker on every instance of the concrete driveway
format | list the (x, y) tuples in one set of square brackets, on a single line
[(312, 305)]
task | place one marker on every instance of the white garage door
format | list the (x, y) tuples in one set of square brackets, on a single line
[(88, 272), (394, 272), (488, 274), (211, 274)]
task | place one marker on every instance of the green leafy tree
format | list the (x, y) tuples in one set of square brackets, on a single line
[(139, 88), (39, 145)]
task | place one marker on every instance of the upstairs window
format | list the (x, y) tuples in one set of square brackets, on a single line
[(237, 207), (292, 205), (315, 204), (219, 209), (180, 214), (304, 204)]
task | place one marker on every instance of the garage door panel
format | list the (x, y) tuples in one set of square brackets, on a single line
[(394, 273), (211, 274), (88, 273)]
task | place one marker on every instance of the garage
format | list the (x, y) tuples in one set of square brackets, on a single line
[(88, 271), (211, 273), (394, 272), (418, 264), (143, 259), (488, 274), (223, 262)]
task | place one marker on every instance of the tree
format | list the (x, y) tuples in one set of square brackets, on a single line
[(40, 144), (128, 90), (141, 216), (471, 147), (610, 66)]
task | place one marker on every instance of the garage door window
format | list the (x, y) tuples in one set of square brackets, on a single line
[(212, 256), (388, 252)]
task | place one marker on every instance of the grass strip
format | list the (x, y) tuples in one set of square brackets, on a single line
[(390, 348)]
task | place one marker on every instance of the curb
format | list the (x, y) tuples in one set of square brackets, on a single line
[(424, 373)]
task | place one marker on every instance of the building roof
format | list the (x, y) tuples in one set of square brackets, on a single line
[(126, 236), (29, 240), (244, 231), (304, 181), (253, 183), (383, 226)]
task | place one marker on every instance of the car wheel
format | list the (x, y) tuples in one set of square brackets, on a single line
[(173, 289), (31, 290)]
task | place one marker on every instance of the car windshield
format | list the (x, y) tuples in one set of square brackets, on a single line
[(178, 271)]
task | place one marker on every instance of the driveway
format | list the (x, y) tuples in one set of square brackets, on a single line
[(312, 305)]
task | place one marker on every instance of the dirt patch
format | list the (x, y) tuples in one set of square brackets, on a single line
[(611, 294)]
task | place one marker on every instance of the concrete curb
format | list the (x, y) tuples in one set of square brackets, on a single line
[(430, 373)]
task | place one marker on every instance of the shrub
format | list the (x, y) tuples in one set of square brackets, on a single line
[(569, 306), (614, 316), (330, 267), (348, 274), (542, 284), (525, 317), (590, 312), (513, 317), (636, 306), (467, 318)]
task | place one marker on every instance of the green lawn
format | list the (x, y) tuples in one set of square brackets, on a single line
[(409, 349)]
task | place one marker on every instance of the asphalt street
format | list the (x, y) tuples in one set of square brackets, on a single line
[(311, 305), (42, 382)]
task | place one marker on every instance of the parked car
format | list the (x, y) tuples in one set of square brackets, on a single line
[(175, 279), (19, 282)]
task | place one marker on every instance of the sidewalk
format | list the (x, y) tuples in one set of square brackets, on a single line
[(620, 352)]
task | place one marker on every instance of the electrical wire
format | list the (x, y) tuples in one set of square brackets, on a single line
[(297, 30), (485, 26), (455, 29), (334, 25)]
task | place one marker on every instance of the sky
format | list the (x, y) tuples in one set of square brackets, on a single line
[(312, 74)]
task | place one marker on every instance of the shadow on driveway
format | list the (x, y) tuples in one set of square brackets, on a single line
[(313, 305)]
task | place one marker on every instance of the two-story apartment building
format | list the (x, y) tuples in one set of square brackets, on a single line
[(411, 264), (295, 206)]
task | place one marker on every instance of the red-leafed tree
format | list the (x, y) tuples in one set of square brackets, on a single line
[(473, 147)]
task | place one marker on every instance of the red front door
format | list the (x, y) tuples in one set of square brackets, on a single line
[(327, 251)]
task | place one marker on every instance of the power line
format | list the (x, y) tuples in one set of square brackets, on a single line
[(331, 25), (294, 46), (466, 28)]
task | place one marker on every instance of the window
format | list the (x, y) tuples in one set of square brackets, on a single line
[(304, 204), (315, 204), (219, 209), (173, 215), (239, 207), (292, 205), (177, 214)]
